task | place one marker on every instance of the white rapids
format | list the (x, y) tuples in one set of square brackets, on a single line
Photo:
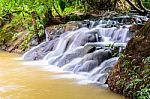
[(84, 51)]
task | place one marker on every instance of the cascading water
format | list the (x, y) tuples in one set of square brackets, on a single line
[(84, 51)]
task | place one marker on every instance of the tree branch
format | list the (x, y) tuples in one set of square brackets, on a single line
[(56, 9), (136, 8), (142, 6), (115, 3)]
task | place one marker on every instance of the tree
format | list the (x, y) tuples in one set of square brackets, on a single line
[(142, 10), (119, 5)]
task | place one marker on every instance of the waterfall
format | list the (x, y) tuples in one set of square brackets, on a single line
[(85, 51)]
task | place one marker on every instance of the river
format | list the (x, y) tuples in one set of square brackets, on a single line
[(18, 81)]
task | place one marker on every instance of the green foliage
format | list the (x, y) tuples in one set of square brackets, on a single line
[(133, 83), (146, 3), (62, 5), (15, 35), (73, 17), (26, 7), (17, 16), (143, 93), (5, 36), (24, 44), (136, 80)]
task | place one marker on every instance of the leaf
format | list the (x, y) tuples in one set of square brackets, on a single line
[(62, 5)]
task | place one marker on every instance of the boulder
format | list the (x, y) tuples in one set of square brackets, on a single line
[(131, 75)]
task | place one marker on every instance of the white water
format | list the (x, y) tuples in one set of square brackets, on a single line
[(76, 52)]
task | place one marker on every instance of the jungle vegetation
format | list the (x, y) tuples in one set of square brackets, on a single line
[(29, 18)]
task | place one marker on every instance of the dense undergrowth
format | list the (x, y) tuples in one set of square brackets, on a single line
[(131, 75), (30, 18), (136, 80), (22, 20), (35, 15)]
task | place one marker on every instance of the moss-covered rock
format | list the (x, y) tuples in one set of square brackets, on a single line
[(131, 75)]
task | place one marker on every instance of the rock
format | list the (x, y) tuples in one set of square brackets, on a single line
[(3, 47), (134, 28), (131, 65), (88, 66), (17, 51), (33, 42), (15, 44), (53, 32), (71, 26), (38, 52)]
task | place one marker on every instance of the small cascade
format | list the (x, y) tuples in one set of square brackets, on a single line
[(68, 42), (104, 68), (86, 51), (40, 51)]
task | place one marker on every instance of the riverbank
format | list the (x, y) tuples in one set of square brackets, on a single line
[(21, 37), (26, 40)]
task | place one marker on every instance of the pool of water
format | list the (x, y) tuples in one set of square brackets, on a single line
[(19, 81)]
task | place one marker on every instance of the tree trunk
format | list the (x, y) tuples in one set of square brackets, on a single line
[(34, 23), (142, 11), (56, 9), (142, 6), (118, 5)]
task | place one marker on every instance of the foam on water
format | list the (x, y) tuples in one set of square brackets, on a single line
[(36, 63), (9, 88), (68, 76), (19, 58), (83, 54)]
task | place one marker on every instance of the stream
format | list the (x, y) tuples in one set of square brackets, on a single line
[(75, 65), (21, 81)]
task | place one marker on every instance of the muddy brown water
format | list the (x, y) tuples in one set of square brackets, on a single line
[(18, 81)]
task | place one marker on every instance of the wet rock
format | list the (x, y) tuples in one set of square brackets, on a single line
[(17, 51), (53, 32), (135, 28), (132, 62), (40, 51), (88, 66), (3, 47), (34, 42)]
